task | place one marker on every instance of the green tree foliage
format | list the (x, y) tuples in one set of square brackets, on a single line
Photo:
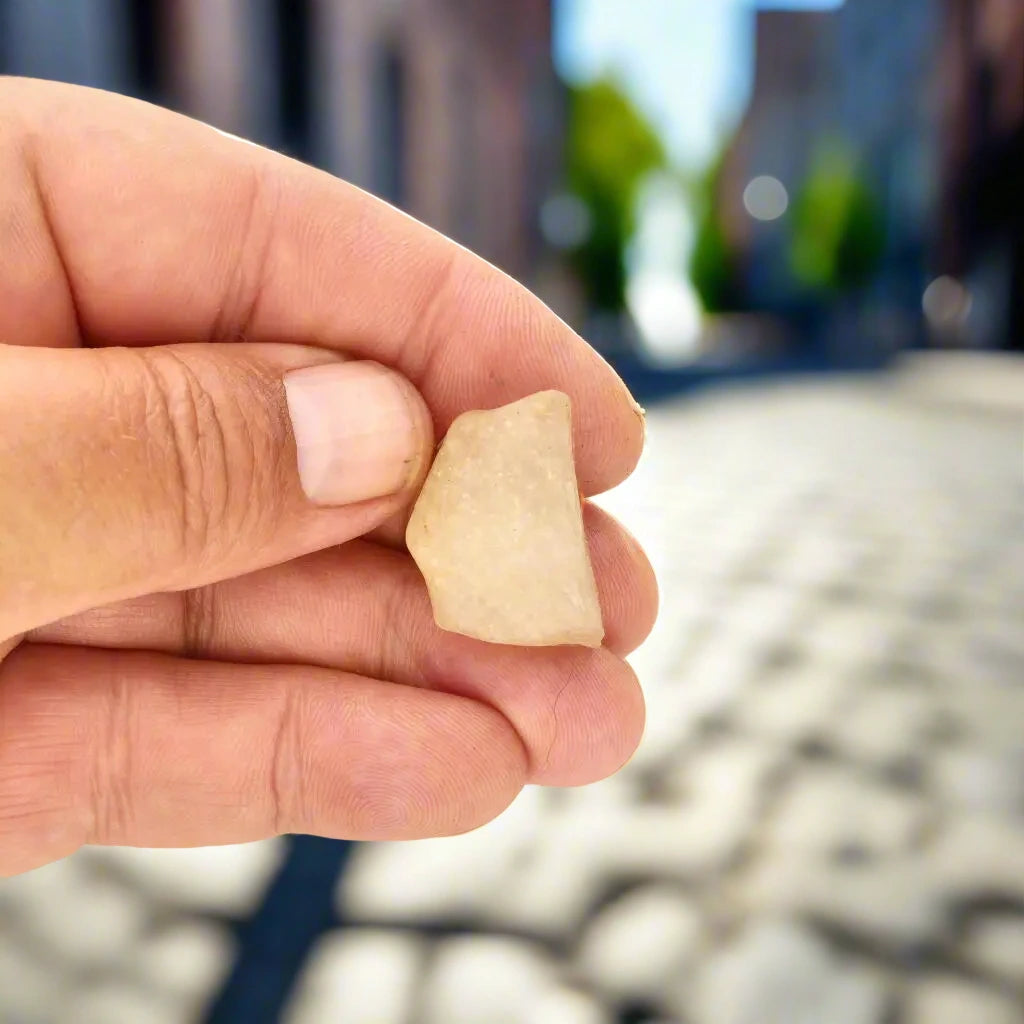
[(611, 149), (838, 230), (713, 267)]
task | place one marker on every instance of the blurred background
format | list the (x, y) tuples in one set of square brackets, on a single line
[(797, 230)]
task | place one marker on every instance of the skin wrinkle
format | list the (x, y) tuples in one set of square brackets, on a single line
[(113, 767), (437, 299), (437, 675), (199, 621), (283, 744), (38, 777), (200, 442), (247, 289), (32, 161), (160, 421), (392, 620), (569, 680)]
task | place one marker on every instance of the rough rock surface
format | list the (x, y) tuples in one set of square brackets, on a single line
[(497, 530)]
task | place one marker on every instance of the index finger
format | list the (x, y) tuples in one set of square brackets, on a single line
[(165, 230)]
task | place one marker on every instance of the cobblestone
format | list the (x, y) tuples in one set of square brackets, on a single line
[(835, 810), (360, 977), (796, 707), (494, 980), (223, 880), (995, 945), (567, 1006), (29, 991), (942, 1000), (108, 918), (640, 944), (184, 960), (983, 780), (778, 972), (976, 857), (893, 905), (444, 878), (883, 726)]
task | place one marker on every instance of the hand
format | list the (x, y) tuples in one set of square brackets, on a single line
[(221, 379)]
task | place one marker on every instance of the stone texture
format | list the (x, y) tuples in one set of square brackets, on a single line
[(895, 904), (947, 1000), (30, 989), (989, 715), (440, 879), (995, 945), (883, 725), (797, 706), (228, 880), (981, 779), (638, 945), (185, 960), (553, 887), (482, 979), (734, 769), (778, 972), (832, 810), (978, 856), (561, 1005), (690, 844), (358, 977), (850, 633), (119, 1002), (703, 686), (497, 530), (86, 921)]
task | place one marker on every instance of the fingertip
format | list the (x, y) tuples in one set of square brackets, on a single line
[(361, 431), (599, 718), (610, 431), (626, 583), (441, 765)]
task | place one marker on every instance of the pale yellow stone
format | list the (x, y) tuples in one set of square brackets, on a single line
[(497, 530)]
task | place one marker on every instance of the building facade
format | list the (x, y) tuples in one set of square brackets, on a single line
[(862, 76), (448, 108), (792, 104), (982, 226)]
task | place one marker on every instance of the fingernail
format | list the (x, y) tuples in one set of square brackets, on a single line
[(357, 431)]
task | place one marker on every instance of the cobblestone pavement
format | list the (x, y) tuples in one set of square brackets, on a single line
[(824, 823)]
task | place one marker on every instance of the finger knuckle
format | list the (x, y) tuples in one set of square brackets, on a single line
[(289, 801), (218, 445)]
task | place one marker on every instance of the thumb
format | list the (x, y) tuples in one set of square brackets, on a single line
[(128, 471)]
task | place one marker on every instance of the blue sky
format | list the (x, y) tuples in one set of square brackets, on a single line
[(687, 63)]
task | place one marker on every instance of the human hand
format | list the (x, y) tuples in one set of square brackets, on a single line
[(209, 631)]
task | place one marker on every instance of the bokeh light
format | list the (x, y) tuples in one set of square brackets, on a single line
[(765, 198)]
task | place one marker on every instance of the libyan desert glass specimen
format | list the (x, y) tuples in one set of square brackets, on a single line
[(497, 530)]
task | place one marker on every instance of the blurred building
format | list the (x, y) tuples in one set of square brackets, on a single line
[(982, 237), (792, 104), (448, 108), (861, 76)]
